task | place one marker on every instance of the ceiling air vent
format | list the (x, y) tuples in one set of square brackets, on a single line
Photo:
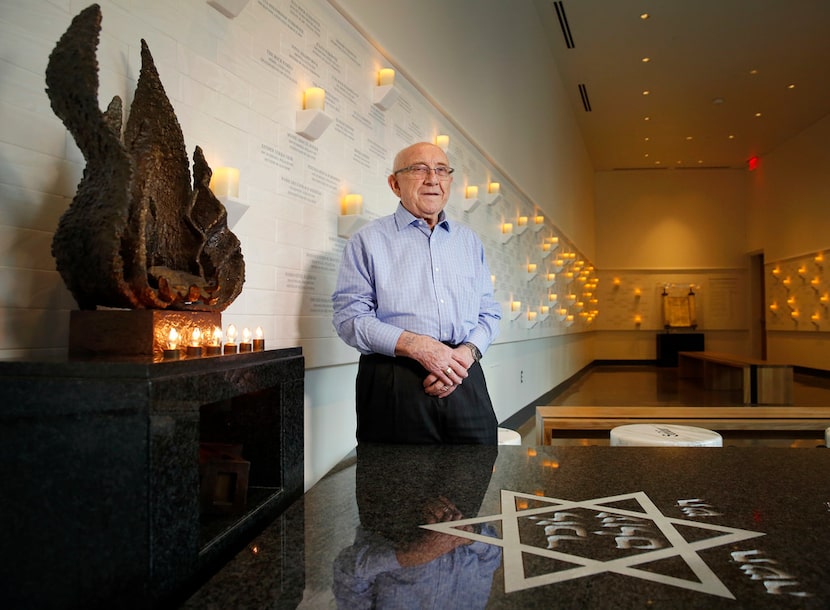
[(583, 93), (563, 23)]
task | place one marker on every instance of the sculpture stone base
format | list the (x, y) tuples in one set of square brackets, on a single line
[(133, 332)]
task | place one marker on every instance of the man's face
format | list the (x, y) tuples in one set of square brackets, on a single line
[(424, 196)]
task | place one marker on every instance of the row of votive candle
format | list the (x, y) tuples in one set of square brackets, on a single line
[(213, 343)]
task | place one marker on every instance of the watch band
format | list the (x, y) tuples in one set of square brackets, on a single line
[(476, 352)]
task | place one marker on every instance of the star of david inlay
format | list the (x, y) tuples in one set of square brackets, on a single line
[(519, 508)]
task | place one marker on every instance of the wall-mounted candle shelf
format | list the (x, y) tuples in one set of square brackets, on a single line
[(311, 124), (347, 224)]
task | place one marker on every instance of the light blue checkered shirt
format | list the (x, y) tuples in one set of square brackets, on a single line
[(398, 275)]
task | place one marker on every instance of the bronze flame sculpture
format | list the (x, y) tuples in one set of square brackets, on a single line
[(136, 234)]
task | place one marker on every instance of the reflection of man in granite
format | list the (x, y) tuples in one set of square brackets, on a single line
[(393, 562), (415, 297)]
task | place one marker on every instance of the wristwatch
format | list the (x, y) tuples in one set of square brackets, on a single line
[(474, 350)]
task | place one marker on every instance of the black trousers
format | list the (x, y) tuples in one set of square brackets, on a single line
[(392, 406)]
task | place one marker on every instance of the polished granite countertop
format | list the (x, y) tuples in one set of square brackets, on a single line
[(545, 527)]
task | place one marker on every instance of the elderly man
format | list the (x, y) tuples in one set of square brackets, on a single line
[(414, 296)]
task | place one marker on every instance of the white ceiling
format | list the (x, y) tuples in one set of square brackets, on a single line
[(700, 51)]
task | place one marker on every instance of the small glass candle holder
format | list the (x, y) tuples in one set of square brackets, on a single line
[(172, 351), (259, 341), (230, 347), (245, 345), (214, 348)]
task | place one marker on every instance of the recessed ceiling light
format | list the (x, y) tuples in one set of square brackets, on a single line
[(646, 92), (646, 155), (644, 16), (689, 138), (753, 72), (731, 136), (758, 114), (700, 161), (647, 118), (645, 60), (646, 138), (656, 163), (791, 86)]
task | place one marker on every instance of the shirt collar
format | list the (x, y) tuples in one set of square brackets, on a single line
[(404, 217)]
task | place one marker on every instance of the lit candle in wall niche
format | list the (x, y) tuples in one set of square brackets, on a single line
[(214, 346), (230, 346), (172, 352), (245, 344), (314, 99), (442, 142), (259, 340), (386, 76), (493, 188), (194, 348), (352, 205), (472, 192), (507, 227), (225, 182)]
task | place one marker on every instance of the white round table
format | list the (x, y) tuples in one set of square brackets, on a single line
[(509, 437), (664, 435)]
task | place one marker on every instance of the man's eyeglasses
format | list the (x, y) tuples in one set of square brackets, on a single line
[(422, 170)]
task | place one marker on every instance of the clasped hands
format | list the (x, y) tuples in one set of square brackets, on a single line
[(448, 368)]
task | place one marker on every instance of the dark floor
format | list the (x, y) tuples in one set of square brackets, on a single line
[(642, 385)]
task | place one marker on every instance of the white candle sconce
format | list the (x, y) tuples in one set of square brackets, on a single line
[(824, 300), (514, 309), (550, 279), (532, 319), (562, 314), (493, 195), (557, 265), (638, 320), (819, 260), (815, 284), (775, 272), (471, 201), (443, 142), (312, 120), (544, 312), (229, 8), (224, 183), (531, 271), (351, 215), (815, 320), (506, 232), (538, 223), (773, 307), (521, 225), (569, 320), (385, 94)]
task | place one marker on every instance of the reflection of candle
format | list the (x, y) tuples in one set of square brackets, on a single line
[(472, 192), (245, 344), (352, 204), (443, 142), (195, 347), (172, 352), (315, 98), (386, 76), (493, 188), (507, 227), (259, 341), (531, 267), (225, 182), (522, 221), (230, 346)]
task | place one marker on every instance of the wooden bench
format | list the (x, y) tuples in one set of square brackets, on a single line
[(573, 419), (761, 381)]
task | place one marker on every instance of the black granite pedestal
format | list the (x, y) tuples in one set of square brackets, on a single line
[(101, 472)]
